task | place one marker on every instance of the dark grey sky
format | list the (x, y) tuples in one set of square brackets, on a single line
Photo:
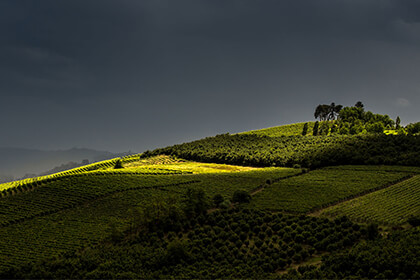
[(120, 75)]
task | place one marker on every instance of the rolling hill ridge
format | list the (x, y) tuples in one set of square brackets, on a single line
[(228, 206)]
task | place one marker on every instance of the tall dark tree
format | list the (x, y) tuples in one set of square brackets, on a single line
[(316, 126), (333, 111), (397, 122), (322, 112), (196, 202), (327, 112), (305, 129)]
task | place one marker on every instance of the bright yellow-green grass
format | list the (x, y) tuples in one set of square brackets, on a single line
[(158, 165), (167, 163), (43, 179), (389, 206), (391, 132), (284, 130)]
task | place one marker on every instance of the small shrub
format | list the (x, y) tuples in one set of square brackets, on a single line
[(225, 204), (118, 164), (372, 231), (241, 196), (414, 221), (218, 199)]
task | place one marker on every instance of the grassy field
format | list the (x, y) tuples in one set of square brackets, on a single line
[(326, 186), (164, 162), (284, 130), (390, 206)]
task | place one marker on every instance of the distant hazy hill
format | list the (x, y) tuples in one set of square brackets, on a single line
[(18, 161)]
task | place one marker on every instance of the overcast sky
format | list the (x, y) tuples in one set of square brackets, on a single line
[(120, 75)]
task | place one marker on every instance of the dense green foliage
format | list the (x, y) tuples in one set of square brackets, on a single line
[(223, 244), (323, 187), (391, 206), (352, 120), (356, 120), (413, 128), (393, 257), (308, 151), (76, 211)]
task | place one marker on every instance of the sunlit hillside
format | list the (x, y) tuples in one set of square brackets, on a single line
[(256, 204)]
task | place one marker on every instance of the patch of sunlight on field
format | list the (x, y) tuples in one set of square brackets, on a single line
[(171, 163), (390, 132)]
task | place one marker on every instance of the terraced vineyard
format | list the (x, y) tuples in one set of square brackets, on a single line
[(76, 190), (67, 230), (323, 187), (76, 211), (55, 215), (390, 206), (133, 165), (17, 186)]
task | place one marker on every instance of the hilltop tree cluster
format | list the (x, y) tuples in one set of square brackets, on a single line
[(327, 112), (336, 119)]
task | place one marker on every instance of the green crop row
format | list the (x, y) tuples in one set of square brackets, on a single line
[(62, 232), (74, 191), (223, 244), (17, 186), (323, 187), (307, 151), (33, 182), (102, 167), (74, 212), (390, 206), (77, 211)]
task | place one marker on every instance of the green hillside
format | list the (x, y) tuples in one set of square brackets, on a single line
[(284, 130), (307, 151), (391, 206), (79, 210), (228, 206), (319, 188)]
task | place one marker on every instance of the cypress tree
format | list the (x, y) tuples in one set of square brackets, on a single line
[(305, 129), (316, 126)]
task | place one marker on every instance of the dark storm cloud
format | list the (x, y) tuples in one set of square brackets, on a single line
[(125, 75)]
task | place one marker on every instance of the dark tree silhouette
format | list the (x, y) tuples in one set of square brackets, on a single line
[(333, 111), (397, 122), (118, 164), (316, 126), (305, 129), (327, 112), (322, 112), (359, 104)]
